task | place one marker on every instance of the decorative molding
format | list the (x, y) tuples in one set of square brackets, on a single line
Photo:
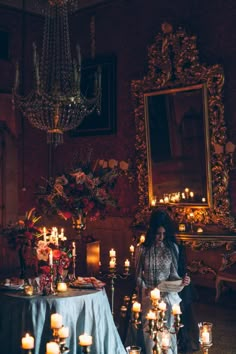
[(173, 61)]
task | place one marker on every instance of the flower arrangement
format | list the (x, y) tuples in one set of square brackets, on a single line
[(22, 236), (85, 190)]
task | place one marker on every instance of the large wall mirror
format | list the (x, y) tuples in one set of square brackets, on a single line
[(183, 157), (176, 123)]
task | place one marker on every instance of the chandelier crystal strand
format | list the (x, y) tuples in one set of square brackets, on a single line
[(56, 104)]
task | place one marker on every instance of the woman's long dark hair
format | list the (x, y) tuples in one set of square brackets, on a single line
[(160, 218)]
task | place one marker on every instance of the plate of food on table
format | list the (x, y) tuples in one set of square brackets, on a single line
[(87, 283), (12, 283)]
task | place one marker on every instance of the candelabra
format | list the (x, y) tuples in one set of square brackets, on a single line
[(158, 331), (60, 333), (113, 275), (205, 336)]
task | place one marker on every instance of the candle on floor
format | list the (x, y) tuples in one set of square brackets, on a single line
[(85, 340), (205, 336), (27, 342), (56, 320), (52, 348)]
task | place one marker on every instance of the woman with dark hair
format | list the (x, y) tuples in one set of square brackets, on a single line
[(157, 261)]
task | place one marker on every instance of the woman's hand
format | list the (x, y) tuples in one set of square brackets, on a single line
[(186, 280)]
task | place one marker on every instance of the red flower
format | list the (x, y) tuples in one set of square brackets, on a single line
[(45, 269), (56, 254)]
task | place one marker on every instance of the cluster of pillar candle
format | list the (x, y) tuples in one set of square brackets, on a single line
[(156, 316), (60, 334), (112, 263), (55, 237)]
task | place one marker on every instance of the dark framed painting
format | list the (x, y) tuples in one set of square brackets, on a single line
[(105, 122)]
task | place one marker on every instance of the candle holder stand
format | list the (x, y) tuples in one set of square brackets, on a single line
[(85, 348), (157, 327), (51, 284), (136, 319), (205, 348), (73, 267), (113, 275), (62, 345)]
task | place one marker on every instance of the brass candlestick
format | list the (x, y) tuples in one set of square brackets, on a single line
[(85, 348), (74, 267), (51, 289)]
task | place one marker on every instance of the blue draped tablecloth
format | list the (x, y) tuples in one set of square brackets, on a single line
[(83, 311)]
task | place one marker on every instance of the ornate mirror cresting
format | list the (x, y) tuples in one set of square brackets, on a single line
[(183, 157)]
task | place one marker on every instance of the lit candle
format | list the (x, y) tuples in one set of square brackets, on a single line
[(44, 234), (176, 309), (73, 249), (136, 307), (142, 239), (165, 340), (154, 201), (161, 200), (27, 342), (52, 348), (186, 190), (155, 294), (50, 258), (56, 320), (112, 253), (62, 234), (112, 263), (61, 287), (151, 315), (63, 332), (182, 227), (85, 340), (203, 200), (131, 249), (191, 194), (205, 337), (166, 199), (162, 306), (127, 263)]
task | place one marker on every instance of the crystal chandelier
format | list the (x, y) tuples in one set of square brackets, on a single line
[(56, 103)]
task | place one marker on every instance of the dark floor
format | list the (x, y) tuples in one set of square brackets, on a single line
[(222, 314)]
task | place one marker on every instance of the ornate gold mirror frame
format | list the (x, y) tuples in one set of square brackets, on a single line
[(173, 62)]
